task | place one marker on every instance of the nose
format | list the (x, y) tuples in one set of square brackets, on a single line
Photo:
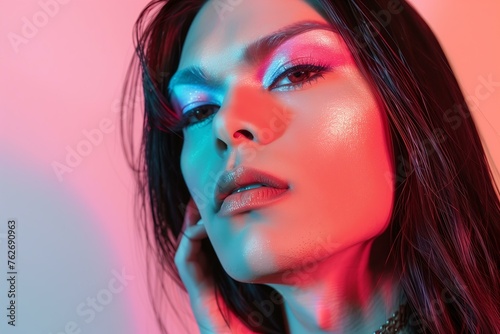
[(245, 116)]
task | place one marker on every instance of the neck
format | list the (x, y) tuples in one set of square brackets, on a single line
[(340, 294)]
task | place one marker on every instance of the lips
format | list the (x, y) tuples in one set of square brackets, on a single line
[(240, 177)]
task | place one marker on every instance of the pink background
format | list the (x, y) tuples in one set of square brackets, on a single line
[(77, 231)]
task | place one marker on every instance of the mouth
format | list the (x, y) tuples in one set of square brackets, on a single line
[(250, 198), (245, 188)]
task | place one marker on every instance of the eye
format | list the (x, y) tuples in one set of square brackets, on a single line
[(296, 76), (196, 116), (299, 76)]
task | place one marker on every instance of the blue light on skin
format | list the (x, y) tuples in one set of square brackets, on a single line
[(274, 69), (346, 153), (188, 97), (309, 47)]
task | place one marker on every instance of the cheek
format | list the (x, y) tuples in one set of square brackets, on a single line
[(192, 170), (186, 163), (346, 144)]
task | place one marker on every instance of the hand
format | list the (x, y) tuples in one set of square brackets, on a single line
[(197, 277)]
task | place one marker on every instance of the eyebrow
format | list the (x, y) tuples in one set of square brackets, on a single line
[(252, 54)]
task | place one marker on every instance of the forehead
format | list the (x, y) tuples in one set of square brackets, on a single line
[(222, 29)]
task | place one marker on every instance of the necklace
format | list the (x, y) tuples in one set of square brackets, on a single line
[(395, 323)]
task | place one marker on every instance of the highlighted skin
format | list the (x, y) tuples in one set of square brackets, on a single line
[(301, 111)]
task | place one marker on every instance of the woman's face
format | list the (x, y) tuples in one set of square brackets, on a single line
[(319, 128)]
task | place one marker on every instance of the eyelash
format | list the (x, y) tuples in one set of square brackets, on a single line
[(319, 68)]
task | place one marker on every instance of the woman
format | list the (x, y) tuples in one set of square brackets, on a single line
[(311, 167)]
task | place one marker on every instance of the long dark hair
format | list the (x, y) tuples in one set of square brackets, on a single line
[(445, 226)]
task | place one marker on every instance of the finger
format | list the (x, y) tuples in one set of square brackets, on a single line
[(189, 260), (192, 215), (196, 232), (190, 242)]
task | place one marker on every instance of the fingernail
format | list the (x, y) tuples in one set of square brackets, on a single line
[(200, 222)]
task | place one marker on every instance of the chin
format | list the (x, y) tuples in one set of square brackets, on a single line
[(246, 274)]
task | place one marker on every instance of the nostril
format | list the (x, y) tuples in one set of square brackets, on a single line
[(245, 133)]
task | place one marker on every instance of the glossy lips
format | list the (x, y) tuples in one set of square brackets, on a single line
[(227, 203)]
